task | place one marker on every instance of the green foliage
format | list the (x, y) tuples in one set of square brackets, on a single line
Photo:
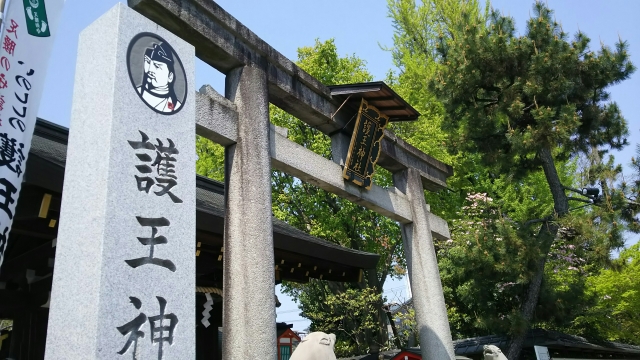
[(614, 291), (346, 309), (323, 63), (210, 161), (312, 209), (484, 268), (349, 314), (510, 96), (328, 216), (407, 326), (631, 193), (417, 29), (615, 315), (487, 265), (496, 102), (529, 103)]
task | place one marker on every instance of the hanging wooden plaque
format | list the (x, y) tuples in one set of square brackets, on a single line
[(365, 145)]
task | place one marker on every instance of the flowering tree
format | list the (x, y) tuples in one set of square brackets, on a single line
[(481, 268), (488, 262)]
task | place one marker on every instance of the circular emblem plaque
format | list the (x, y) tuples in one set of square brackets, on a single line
[(156, 73)]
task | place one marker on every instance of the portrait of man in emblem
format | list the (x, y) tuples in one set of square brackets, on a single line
[(156, 73)]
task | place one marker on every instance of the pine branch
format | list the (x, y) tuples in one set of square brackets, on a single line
[(534, 221), (492, 101), (579, 199)]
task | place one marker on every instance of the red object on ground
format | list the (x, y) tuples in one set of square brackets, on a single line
[(407, 355)]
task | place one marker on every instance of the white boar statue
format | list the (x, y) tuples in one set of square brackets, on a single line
[(492, 352), (316, 346)]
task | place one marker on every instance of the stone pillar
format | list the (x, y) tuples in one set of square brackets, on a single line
[(249, 317), (428, 299), (124, 275)]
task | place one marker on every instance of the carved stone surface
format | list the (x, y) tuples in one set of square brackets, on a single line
[(124, 277), (492, 352), (316, 346)]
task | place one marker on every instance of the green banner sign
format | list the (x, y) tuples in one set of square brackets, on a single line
[(365, 145), (35, 12)]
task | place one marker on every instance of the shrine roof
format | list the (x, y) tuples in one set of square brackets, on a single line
[(555, 341), (560, 345), (50, 142), (210, 198)]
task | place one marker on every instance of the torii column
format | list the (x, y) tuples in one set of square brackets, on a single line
[(424, 276), (248, 305)]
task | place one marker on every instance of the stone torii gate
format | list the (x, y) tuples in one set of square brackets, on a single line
[(256, 75)]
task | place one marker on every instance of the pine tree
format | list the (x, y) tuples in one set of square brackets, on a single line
[(531, 102)]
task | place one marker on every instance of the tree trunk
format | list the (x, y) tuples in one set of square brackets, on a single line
[(545, 238), (396, 338), (377, 340), (382, 334)]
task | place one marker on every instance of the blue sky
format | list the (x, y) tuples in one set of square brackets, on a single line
[(359, 27)]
